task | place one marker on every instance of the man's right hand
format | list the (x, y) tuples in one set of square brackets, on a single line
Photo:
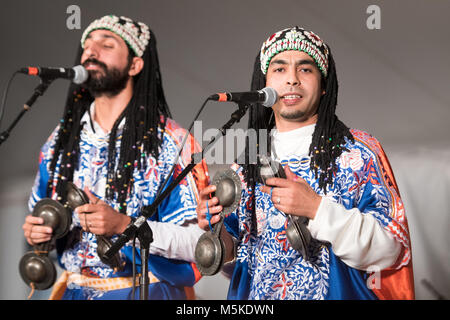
[(214, 208), (34, 230)]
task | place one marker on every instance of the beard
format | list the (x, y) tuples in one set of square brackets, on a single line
[(293, 115), (110, 84)]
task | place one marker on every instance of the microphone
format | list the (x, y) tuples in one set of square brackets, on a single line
[(77, 74), (266, 96)]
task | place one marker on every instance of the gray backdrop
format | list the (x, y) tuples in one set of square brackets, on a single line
[(393, 81)]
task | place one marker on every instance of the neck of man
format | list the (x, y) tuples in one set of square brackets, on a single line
[(109, 108), (284, 125)]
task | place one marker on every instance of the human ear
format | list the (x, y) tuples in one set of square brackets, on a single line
[(136, 66)]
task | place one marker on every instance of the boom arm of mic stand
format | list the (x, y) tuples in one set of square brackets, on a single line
[(147, 212), (38, 91)]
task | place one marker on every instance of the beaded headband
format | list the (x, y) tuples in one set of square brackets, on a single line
[(135, 34), (295, 39)]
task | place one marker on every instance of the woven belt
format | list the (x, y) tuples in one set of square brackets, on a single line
[(104, 284)]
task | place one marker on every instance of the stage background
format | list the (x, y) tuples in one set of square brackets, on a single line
[(393, 84)]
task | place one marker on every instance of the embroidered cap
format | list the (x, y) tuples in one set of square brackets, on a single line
[(295, 39), (135, 34)]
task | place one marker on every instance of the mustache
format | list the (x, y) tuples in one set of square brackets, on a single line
[(96, 62)]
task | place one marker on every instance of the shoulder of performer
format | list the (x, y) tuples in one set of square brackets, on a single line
[(47, 150), (365, 139)]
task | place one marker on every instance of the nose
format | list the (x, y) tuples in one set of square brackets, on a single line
[(292, 78), (90, 51)]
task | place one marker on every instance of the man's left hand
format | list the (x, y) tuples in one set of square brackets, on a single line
[(293, 195)]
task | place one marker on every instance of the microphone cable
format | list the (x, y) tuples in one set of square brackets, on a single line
[(5, 95)]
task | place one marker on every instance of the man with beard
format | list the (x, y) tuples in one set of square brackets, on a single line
[(116, 142), (335, 226)]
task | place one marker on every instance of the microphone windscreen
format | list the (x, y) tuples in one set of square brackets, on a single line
[(81, 74), (271, 97)]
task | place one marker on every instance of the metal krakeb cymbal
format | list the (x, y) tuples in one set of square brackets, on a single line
[(37, 270), (55, 215), (210, 253), (77, 197), (103, 245), (298, 235), (228, 190), (210, 248)]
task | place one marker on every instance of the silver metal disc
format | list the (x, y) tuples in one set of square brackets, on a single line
[(38, 270), (55, 215), (228, 190), (209, 254)]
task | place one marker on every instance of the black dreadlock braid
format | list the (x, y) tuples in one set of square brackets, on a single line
[(328, 139), (145, 119)]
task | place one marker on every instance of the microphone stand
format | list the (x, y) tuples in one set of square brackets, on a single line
[(141, 229), (38, 91)]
